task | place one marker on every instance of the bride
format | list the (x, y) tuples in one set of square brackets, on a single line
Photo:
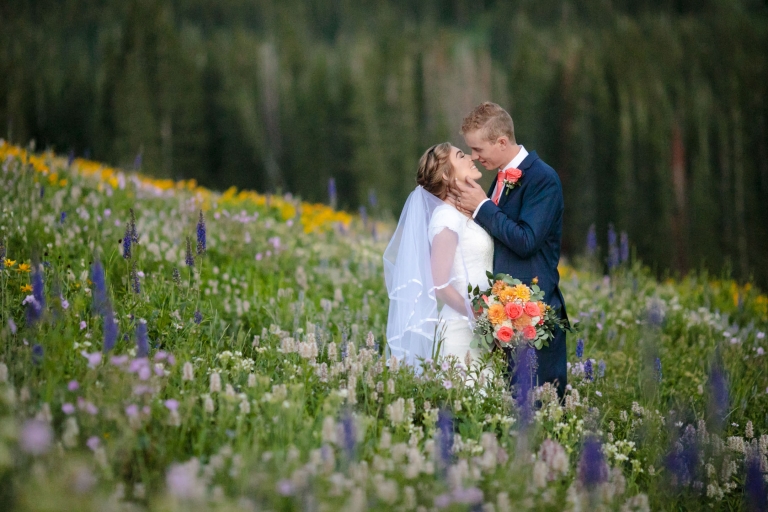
[(435, 252)]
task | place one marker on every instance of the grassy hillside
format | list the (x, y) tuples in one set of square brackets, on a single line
[(151, 360)]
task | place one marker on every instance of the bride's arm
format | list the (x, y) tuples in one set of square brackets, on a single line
[(444, 246)]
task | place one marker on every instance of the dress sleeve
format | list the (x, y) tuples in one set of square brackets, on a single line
[(445, 218)]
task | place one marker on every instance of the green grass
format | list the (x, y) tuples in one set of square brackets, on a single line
[(293, 424)]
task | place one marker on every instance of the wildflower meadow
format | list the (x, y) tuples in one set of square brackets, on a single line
[(166, 347)]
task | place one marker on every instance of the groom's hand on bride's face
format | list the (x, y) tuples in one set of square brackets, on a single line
[(470, 194)]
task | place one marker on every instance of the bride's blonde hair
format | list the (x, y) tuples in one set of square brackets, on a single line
[(435, 164)]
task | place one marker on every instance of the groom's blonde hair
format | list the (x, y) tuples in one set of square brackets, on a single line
[(493, 120)]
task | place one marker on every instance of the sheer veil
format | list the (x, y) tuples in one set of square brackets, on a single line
[(409, 272)]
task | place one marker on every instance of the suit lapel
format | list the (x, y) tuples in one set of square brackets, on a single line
[(524, 166)]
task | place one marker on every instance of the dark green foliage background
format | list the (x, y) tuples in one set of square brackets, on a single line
[(653, 112)]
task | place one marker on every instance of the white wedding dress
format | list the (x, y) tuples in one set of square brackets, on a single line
[(433, 246), (473, 258)]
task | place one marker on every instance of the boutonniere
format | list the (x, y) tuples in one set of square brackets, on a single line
[(512, 179)]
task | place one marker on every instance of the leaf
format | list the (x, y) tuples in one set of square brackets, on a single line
[(489, 275)]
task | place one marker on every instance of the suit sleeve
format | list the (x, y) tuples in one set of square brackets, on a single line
[(541, 206)]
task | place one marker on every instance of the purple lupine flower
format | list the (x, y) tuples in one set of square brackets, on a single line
[(683, 459), (127, 241), (99, 287), (137, 161), (188, 258), (134, 234), (580, 348), (349, 438), (62, 217), (524, 384), (70, 157), (110, 329), (372, 199), (374, 233), (332, 192), (657, 369), (36, 302), (363, 215), (37, 354), (754, 485), (142, 342), (656, 312), (718, 387), (2, 249), (613, 248), (38, 286), (201, 239), (176, 276), (12, 326), (592, 240), (42, 191), (592, 467), (601, 369), (624, 251), (588, 370), (444, 438), (532, 360), (198, 317), (135, 282)]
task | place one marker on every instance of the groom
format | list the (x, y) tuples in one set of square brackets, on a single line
[(525, 222)]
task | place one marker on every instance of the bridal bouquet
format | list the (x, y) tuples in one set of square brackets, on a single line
[(511, 313)]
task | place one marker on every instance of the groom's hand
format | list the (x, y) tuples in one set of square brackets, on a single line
[(470, 194)]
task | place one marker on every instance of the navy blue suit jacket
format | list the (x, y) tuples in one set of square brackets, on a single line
[(527, 227)]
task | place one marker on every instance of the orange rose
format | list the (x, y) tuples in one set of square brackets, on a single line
[(505, 334), (513, 175), (513, 310), (529, 332), (496, 314), (532, 309)]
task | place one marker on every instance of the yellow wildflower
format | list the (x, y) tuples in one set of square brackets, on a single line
[(26, 288), (24, 267), (9, 262)]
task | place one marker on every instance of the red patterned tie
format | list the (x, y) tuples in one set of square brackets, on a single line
[(499, 187)]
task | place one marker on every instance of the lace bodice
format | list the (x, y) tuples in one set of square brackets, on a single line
[(474, 252)]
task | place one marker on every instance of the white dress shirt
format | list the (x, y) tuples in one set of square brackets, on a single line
[(511, 165)]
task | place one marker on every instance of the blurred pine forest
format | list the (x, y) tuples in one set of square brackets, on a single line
[(654, 112)]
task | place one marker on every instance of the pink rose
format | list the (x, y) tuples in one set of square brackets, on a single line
[(513, 175), (505, 334), (513, 310), (532, 309), (529, 332)]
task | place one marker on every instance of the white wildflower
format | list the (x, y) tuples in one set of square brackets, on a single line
[(215, 382), (188, 372)]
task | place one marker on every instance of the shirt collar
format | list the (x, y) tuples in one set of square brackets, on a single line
[(515, 163)]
